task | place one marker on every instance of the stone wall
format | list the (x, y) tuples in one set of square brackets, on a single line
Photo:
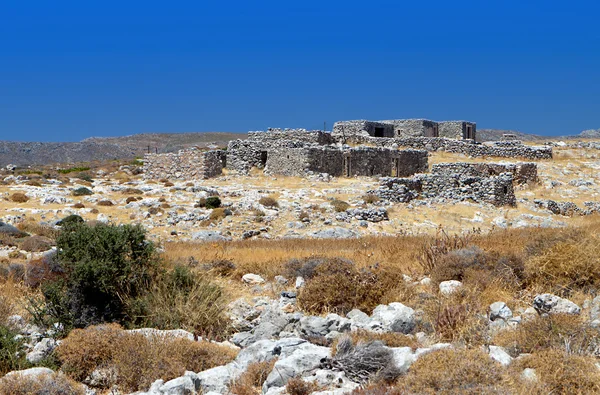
[(345, 129), (414, 127), (466, 147), (496, 190), (523, 173), (190, 163), (457, 130), (274, 134), (360, 161), (242, 155)]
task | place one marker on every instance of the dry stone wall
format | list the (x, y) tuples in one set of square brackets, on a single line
[(189, 164), (523, 173), (413, 127)]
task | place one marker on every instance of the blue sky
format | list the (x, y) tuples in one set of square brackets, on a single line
[(76, 69)]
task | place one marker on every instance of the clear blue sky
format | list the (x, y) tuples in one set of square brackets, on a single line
[(75, 69)]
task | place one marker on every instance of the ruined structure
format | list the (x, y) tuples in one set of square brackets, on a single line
[(345, 162), (402, 128), (187, 164)]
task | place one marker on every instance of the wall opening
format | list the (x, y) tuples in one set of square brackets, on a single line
[(436, 131), (379, 132), (469, 132), (263, 158), (347, 168), (395, 167)]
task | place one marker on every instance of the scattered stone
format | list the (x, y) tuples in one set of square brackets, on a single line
[(499, 310), (449, 287), (552, 304), (252, 279)]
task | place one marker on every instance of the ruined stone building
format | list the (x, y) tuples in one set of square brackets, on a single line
[(400, 128)]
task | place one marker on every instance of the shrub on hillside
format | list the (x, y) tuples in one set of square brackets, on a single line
[(251, 381), (19, 197), (82, 191), (369, 198), (339, 205), (136, 359), (361, 289), (268, 201), (106, 266), (45, 384), (106, 203), (566, 266), (85, 177), (70, 220), (11, 357), (36, 228), (187, 300), (451, 371), (36, 244), (564, 332), (132, 191)]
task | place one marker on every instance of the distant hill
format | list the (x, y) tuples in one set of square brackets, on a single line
[(169, 142), (484, 135), (106, 148)]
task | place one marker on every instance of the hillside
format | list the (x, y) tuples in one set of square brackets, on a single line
[(105, 148)]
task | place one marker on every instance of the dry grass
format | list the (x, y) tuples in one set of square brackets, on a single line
[(390, 339), (452, 371), (35, 228), (297, 386), (560, 332), (48, 384), (137, 360), (251, 381), (268, 201)]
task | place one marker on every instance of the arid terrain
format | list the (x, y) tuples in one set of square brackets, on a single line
[(285, 285)]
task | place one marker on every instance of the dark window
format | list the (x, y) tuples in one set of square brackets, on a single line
[(263, 157), (379, 132)]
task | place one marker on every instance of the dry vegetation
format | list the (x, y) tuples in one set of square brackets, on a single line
[(136, 360)]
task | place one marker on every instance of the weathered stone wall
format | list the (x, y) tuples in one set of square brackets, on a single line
[(496, 190), (457, 129), (190, 163), (242, 155), (345, 129), (466, 147), (414, 127), (523, 173), (274, 134), (361, 161)]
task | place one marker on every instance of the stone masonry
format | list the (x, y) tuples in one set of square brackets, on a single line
[(523, 172), (187, 164)]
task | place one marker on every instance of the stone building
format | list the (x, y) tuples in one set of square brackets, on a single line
[(404, 128), (460, 130), (187, 164), (345, 162)]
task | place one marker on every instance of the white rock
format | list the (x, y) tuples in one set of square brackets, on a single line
[(529, 374), (252, 279), (395, 317), (302, 360), (500, 355), (300, 282), (499, 310), (552, 304), (449, 287)]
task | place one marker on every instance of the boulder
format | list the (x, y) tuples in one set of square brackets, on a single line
[(552, 304), (252, 279), (41, 350), (217, 379), (499, 310), (449, 287), (209, 235), (304, 359), (500, 355), (395, 317)]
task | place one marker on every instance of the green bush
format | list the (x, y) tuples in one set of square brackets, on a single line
[(10, 359), (82, 191), (106, 268), (73, 169), (70, 219), (85, 177), (213, 202), (339, 205)]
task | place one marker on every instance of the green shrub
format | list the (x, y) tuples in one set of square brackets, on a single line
[(106, 267), (73, 169), (70, 220), (85, 177), (213, 202), (82, 191), (10, 358)]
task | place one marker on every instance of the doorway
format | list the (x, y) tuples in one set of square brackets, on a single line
[(379, 132)]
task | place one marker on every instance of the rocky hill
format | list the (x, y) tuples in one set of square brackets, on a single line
[(105, 148)]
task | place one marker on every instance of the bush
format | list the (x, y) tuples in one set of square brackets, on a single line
[(390, 339), (564, 332), (36, 244), (450, 371), (297, 386), (218, 214), (213, 202), (34, 183), (363, 362), (78, 205), (339, 206), (43, 270), (47, 384), (35, 228), (73, 169), (106, 203), (268, 201), (11, 357), (363, 289), (85, 177), (560, 372), (106, 267), (369, 198), (70, 220), (132, 191), (566, 266), (19, 197), (82, 191), (136, 360), (182, 299)]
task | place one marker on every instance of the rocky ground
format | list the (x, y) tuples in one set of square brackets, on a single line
[(453, 297)]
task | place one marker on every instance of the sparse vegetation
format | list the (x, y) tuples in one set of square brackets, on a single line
[(19, 197), (339, 206), (268, 201), (73, 170), (82, 191)]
